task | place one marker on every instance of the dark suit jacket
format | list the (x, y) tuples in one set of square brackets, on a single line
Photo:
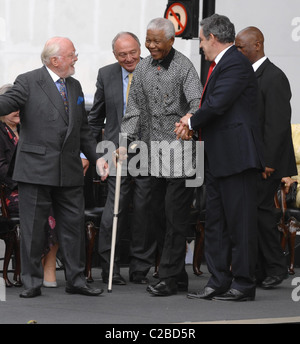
[(108, 103), (275, 119), (48, 151), (228, 117)]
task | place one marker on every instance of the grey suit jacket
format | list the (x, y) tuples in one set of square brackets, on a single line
[(50, 141), (108, 103)]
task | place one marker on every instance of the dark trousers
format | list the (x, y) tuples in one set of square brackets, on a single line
[(171, 204), (35, 202), (142, 240), (271, 259), (231, 230)]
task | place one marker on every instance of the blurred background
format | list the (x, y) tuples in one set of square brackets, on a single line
[(25, 25)]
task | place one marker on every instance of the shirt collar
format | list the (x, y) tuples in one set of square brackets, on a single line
[(258, 63), (221, 54), (166, 61), (53, 75), (124, 73)]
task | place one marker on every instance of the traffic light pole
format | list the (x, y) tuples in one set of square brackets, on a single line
[(185, 16), (207, 10)]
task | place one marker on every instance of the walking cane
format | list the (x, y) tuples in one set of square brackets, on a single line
[(115, 222)]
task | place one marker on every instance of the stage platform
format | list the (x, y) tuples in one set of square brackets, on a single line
[(131, 304)]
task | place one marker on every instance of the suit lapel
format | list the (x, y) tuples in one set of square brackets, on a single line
[(261, 68), (207, 83), (222, 60), (116, 84), (71, 100), (51, 91)]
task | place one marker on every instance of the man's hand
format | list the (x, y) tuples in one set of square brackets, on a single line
[(182, 128), (85, 165), (103, 168), (119, 155), (267, 173)]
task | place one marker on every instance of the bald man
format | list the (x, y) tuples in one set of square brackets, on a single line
[(275, 122)]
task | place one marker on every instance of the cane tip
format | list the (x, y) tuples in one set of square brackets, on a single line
[(32, 322), (109, 290)]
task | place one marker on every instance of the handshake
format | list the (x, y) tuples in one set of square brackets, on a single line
[(182, 129)]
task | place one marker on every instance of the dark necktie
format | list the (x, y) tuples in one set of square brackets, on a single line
[(211, 67), (63, 92)]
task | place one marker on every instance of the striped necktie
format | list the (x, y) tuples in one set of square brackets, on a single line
[(63, 92)]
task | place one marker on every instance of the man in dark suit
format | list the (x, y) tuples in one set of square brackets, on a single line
[(274, 111), (229, 127), (109, 107), (48, 167)]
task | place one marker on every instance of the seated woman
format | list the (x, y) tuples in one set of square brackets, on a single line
[(291, 226), (296, 143), (9, 136)]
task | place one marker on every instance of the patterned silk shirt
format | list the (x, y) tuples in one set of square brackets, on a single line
[(161, 93)]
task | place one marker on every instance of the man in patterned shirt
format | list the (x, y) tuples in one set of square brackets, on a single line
[(164, 87)]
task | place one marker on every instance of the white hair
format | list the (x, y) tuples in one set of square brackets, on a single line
[(162, 24)]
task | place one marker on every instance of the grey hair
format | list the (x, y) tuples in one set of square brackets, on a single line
[(220, 26), (51, 48), (124, 33), (5, 88), (162, 24)]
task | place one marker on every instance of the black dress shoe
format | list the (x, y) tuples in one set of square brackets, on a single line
[(138, 278), (207, 293), (272, 281), (182, 286), (32, 292), (84, 290), (163, 288), (182, 281), (236, 295), (117, 279)]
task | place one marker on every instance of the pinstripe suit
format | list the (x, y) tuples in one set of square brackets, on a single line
[(49, 171), (229, 125)]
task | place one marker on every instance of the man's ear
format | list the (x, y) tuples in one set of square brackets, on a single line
[(54, 61)]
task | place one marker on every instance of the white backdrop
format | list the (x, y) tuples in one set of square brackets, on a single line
[(25, 25)]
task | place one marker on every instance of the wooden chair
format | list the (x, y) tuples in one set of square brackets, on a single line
[(288, 225), (10, 233)]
